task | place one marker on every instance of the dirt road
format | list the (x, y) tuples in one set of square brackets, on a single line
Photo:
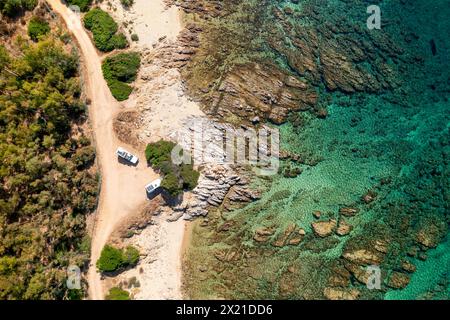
[(122, 187)]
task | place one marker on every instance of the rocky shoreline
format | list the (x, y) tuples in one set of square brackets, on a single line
[(266, 71)]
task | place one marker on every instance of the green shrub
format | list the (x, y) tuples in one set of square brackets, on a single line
[(82, 4), (158, 152), (119, 41), (131, 256), (37, 27), (118, 70), (189, 176), (134, 37), (75, 294), (104, 28), (176, 177), (84, 157), (117, 293), (122, 67), (171, 183), (120, 90), (41, 185), (111, 259)]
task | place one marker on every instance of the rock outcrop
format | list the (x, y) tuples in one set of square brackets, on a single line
[(324, 228), (341, 293)]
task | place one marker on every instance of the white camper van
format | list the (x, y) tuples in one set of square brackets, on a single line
[(124, 154)]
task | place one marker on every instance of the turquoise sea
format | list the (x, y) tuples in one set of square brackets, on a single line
[(394, 143)]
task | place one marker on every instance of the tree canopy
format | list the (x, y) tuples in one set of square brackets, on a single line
[(12, 8), (48, 185), (118, 71), (114, 259), (176, 177)]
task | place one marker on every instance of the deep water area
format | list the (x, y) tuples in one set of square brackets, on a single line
[(365, 176)]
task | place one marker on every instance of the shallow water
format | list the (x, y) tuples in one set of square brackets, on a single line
[(366, 140)]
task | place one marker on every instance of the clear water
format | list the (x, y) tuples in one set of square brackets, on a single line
[(365, 140)]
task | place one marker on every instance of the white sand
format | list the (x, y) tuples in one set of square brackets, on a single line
[(159, 270), (149, 19)]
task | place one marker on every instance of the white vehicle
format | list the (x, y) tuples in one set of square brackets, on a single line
[(153, 186), (124, 154)]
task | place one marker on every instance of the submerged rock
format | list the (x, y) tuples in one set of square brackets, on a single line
[(341, 293), (431, 233), (364, 256), (263, 234), (408, 266), (348, 211), (324, 228), (343, 228), (398, 280)]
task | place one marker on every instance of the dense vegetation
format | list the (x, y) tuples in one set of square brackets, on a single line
[(118, 71), (14, 7), (117, 293), (104, 30), (176, 177), (37, 27), (47, 183), (82, 4), (114, 259)]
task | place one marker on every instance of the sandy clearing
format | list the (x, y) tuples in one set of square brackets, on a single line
[(159, 269), (149, 19)]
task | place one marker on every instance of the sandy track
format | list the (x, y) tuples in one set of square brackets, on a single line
[(122, 187)]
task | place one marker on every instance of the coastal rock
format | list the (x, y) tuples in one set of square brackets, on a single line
[(242, 194), (292, 235), (214, 185), (343, 228), (408, 266), (340, 73), (296, 237), (324, 228), (359, 272), (348, 211), (398, 280), (263, 234), (341, 293), (227, 255), (364, 256), (282, 238), (369, 197), (430, 233), (267, 93), (317, 214), (340, 277)]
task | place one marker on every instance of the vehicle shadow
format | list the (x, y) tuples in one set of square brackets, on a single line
[(154, 194), (127, 163), (171, 201)]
